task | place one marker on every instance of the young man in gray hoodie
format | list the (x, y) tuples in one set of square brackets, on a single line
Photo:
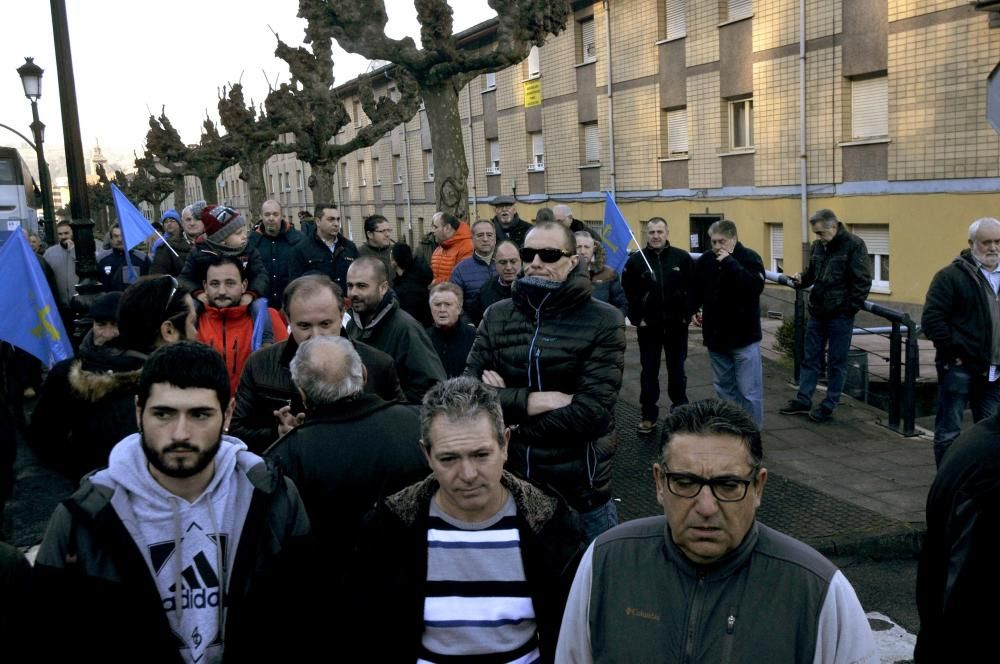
[(183, 548)]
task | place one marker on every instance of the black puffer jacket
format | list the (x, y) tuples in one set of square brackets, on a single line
[(562, 341), (515, 232), (662, 296), (392, 567), (839, 275), (311, 255), (957, 315), (729, 291), (275, 253), (196, 268)]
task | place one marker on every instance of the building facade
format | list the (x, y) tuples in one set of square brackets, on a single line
[(691, 110)]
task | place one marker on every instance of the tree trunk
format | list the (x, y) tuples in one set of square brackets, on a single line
[(253, 173), (179, 201), (451, 173), (209, 190), (323, 183)]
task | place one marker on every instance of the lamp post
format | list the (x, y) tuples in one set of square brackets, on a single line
[(31, 80)]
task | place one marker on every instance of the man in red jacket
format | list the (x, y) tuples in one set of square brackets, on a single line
[(234, 330), (454, 245)]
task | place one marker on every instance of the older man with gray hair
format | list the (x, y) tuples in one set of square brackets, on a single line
[(961, 316)]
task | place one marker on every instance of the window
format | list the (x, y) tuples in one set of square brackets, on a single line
[(591, 144), (362, 178), (429, 164), (534, 63), (299, 179), (676, 19), (677, 132), (397, 174), (357, 113), (777, 233), (588, 44), (741, 124), (870, 108), (288, 181), (376, 173), (274, 184), (877, 240), (739, 9), (490, 81), (536, 161), (347, 176), (493, 168)]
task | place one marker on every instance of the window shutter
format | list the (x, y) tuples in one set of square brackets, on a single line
[(534, 64), (676, 19), (537, 146), (593, 143), (677, 131), (490, 81), (740, 9), (587, 40), (870, 107), (494, 151), (777, 241), (876, 238)]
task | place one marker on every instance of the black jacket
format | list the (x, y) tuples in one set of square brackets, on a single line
[(392, 564), (196, 268), (275, 253), (90, 566), (492, 292), (839, 275), (516, 232), (312, 255), (113, 270), (164, 260), (568, 342), (662, 296), (85, 407), (729, 293), (958, 579), (395, 332), (453, 345), (266, 385), (957, 315), (413, 294)]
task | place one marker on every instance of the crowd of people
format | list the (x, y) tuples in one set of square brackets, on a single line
[(420, 441)]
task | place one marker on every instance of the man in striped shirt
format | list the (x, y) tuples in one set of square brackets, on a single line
[(472, 562)]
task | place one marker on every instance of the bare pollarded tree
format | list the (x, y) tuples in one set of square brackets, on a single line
[(443, 66)]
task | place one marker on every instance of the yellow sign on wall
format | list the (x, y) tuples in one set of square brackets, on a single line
[(532, 93)]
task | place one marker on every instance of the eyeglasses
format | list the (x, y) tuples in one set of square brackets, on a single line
[(547, 255), (726, 489)]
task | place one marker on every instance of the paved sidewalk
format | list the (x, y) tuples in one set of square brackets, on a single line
[(849, 485)]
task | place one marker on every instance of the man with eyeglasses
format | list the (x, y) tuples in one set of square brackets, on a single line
[(378, 243), (556, 355), (470, 274), (716, 585)]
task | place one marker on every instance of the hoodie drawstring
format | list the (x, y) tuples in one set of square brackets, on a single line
[(223, 572)]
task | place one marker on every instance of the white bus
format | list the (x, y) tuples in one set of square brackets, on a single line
[(16, 193)]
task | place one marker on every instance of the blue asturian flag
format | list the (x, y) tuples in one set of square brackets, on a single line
[(31, 319), (616, 234), (135, 227)]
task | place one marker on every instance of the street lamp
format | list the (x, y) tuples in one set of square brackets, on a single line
[(31, 80)]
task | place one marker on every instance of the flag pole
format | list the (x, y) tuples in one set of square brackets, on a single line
[(166, 244)]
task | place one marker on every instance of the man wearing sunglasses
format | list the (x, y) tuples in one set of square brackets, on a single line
[(716, 584), (555, 355)]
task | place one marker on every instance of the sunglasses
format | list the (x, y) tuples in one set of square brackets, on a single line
[(547, 255)]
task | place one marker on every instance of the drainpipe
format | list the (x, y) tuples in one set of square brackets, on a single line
[(803, 172), (472, 151), (611, 107), (406, 178)]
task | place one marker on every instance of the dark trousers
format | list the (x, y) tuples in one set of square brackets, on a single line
[(672, 339)]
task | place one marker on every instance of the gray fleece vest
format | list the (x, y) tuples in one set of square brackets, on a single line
[(761, 603)]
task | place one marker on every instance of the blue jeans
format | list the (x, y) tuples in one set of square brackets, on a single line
[(834, 336), (738, 377), (599, 519), (958, 388)]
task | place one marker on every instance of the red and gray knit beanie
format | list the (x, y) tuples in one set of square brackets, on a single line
[(221, 222)]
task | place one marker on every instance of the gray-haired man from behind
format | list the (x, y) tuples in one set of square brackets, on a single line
[(717, 585)]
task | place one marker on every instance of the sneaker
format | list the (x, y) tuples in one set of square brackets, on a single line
[(820, 414), (795, 407), (646, 426)]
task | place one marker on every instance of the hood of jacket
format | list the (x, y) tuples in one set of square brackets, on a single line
[(461, 236), (386, 307), (534, 505), (227, 314), (573, 293), (104, 370)]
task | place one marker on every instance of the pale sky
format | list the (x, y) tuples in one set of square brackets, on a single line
[(131, 57)]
